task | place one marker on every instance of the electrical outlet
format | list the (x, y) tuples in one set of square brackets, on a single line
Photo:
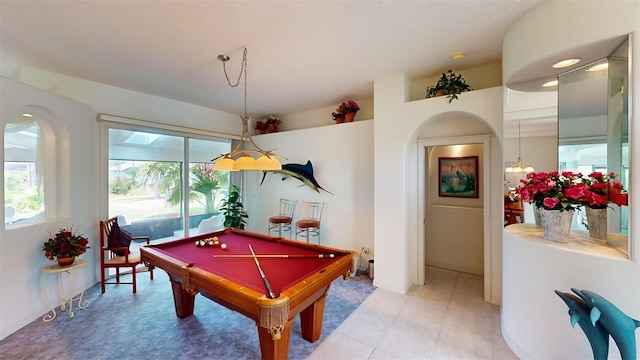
[(365, 250)]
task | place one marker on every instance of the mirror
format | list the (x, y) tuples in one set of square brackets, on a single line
[(593, 123)]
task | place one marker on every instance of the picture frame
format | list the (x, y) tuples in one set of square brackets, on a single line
[(458, 177)]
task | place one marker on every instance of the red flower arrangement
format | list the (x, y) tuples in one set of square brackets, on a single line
[(601, 189), (553, 190), (65, 243), (348, 107)]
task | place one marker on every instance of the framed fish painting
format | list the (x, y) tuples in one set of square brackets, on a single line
[(458, 177)]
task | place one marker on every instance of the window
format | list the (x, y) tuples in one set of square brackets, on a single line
[(23, 171), (146, 180)]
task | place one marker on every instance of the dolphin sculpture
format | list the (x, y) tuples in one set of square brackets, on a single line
[(597, 335), (618, 324), (301, 172)]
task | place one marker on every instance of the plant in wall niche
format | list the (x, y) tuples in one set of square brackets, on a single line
[(272, 123), (261, 126), (449, 84), (338, 117), (347, 111), (233, 210), (349, 107)]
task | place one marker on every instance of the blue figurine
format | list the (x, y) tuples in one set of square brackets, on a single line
[(618, 324), (596, 334)]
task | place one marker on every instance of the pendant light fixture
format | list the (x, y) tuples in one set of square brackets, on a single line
[(519, 166), (239, 158)]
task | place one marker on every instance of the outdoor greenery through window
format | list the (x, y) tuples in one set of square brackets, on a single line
[(23, 179), (147, 186)]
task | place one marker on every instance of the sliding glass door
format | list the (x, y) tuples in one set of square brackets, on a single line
[(162, 183)]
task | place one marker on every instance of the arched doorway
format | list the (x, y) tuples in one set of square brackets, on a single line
[(484, 196)]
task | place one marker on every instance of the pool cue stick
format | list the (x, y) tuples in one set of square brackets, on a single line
[(264, 277), (281, 256)]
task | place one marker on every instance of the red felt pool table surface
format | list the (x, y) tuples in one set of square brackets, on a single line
[(300, 282), (281, 273)]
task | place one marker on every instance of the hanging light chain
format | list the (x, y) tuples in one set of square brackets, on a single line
[(225, 162), (243, 69)]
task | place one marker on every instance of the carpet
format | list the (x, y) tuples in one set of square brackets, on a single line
[(121, 325)]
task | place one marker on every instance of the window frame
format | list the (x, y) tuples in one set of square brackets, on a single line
[(108, 122)]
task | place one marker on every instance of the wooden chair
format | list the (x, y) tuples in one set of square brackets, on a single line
[(309, 225), (283, 220), (109, 259)]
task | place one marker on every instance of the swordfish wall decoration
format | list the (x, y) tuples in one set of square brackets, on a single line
[(301, 172)]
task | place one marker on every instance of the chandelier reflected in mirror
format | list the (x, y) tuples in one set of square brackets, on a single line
[(519, 166), (239, 158)]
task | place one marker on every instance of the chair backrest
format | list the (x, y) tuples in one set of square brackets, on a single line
[(287, 207), (312, 210), (105, 230)]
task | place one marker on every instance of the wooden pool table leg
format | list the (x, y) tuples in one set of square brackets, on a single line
[(182, 299), (311, 319), (275, 349)]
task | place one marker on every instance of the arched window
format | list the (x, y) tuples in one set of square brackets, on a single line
[(24, 199)]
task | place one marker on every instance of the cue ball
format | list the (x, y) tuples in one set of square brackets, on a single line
[(223, 246)]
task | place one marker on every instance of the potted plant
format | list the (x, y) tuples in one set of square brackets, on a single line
[(272, 124), (449, 84), (261, 126), (338, 117), (599, 191), (348, 109), (233, 210), (65, 245), (557, 195)]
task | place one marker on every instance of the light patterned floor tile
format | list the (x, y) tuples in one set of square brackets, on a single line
[(339, 347), (446, 318)]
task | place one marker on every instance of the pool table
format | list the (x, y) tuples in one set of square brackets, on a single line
[(299, 274)]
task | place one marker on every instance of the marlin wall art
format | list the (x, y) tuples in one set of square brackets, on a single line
[(301, 172)]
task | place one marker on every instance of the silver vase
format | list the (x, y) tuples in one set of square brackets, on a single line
[(556, 225), (537, 217), (597, 220)]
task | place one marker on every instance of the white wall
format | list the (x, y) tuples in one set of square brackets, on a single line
[(322, 116), (454, 226), (543, 29), (396, 130), (20, 247), (342, 158), (126, 103)]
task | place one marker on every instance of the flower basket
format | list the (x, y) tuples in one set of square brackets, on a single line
[(65, 244)]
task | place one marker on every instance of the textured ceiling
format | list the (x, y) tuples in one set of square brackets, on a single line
[(301, 54)]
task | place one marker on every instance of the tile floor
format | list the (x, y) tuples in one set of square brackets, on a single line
[(444, 319)]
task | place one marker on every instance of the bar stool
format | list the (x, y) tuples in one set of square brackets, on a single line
[(309, 225), (283, 220)]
